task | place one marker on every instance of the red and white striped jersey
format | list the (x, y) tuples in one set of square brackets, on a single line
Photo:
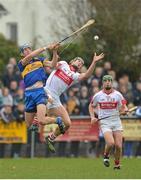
[(61, 78), (108, 104)]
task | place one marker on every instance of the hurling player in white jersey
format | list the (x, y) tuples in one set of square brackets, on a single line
[(109, 102), (59, 81)]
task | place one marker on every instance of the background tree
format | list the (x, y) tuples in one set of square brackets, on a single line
[(118, 26), (7, 49)]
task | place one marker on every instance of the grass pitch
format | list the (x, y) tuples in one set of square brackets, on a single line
[(67, 168)]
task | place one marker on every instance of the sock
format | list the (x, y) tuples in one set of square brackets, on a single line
[(35, 121), (117, 162), (52, 137), (106, 155), (58, 120)]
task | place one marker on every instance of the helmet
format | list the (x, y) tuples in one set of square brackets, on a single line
[(77, 58), (107, 77), (23, 47)]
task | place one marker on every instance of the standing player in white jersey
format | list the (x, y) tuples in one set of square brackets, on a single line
[(109, 102), (59, 81)]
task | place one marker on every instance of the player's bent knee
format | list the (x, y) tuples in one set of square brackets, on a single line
[(118, 146), (110, 144), (67, 125)]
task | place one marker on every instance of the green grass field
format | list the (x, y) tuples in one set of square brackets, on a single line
[(67, 168)]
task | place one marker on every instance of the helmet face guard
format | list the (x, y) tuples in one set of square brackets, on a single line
[(107, 77), (80, 59), (24, 47), (75, 59)]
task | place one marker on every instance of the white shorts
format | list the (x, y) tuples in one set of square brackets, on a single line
[(111, 126), (56, 100)]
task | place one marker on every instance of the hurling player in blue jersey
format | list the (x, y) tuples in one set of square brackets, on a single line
[(32, 69)]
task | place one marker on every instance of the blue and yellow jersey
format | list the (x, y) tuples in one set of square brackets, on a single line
[(33, 71)]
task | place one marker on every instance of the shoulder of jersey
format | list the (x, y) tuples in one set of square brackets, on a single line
[(62, 62), (117, 92), (99, 93)]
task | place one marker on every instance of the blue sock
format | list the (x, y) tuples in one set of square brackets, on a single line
[(58, 120)]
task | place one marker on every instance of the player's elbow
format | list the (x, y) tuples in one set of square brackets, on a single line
[(53, 64), (67, 125), (110, 144), (118, 145), (83, 77)]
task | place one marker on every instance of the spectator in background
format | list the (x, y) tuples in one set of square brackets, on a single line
[(13, 88), (19, 97), (137, 94), (127, 94), (94, 91), (107, 67), (94, 83), (97, 75), (127, 82), (5, 97), (76, 111), (13, 61), (6, 113), (84, 101), (72, 102), (113, 74), (1, 101), (76, 89), (19, 112), (9, 75), (121, 82)]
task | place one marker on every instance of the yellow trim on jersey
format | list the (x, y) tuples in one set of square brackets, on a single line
[(45, 60), (31, 67)]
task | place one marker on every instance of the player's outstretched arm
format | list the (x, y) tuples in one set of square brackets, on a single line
[(55, 57), (27, 59), (90, 70)]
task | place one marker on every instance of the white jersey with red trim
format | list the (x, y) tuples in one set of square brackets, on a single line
[(108, 104), (61, 79)]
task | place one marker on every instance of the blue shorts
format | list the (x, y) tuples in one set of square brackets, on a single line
[(33, 98)]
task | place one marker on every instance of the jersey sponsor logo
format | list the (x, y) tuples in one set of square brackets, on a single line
[(108, 105), (63, 76)]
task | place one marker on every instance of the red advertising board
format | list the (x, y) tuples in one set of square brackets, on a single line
[(80, 130)]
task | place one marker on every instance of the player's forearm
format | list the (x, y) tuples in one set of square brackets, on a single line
[(54, 59), (88, 73), (91, 111), (90, 70), (123, 110), (27, 59)]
